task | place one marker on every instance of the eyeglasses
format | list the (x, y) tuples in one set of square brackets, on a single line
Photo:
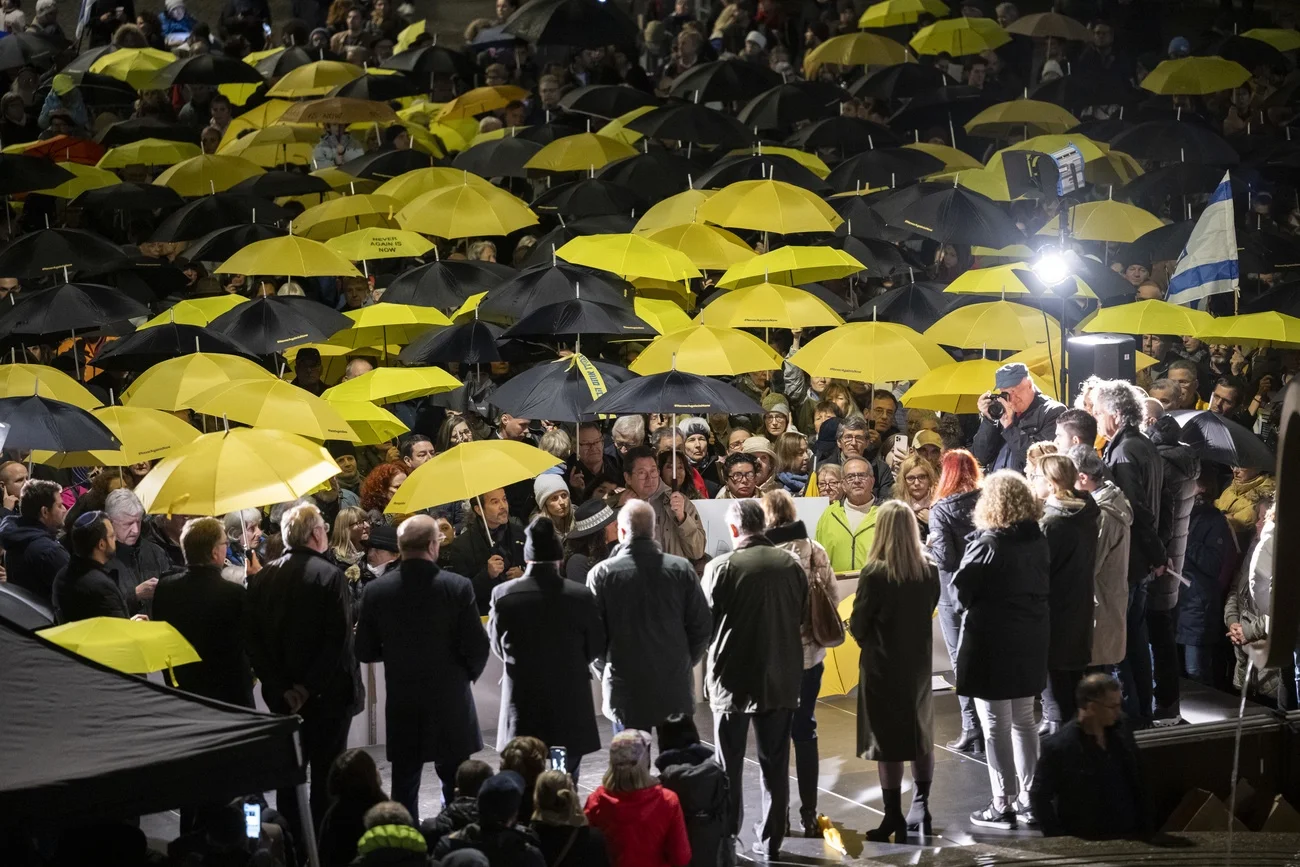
[(920, 477), (591, 446), (857, 477), (644, 474), (853, 438), (742, 476)]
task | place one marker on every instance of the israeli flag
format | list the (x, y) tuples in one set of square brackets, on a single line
[(1208, 264)]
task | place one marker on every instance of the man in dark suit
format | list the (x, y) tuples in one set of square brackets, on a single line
[(209, 611), (299, 638), (422, 622)]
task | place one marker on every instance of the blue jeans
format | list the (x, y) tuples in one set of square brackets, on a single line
[(1198, 660), (1135, 671), (804, 725)]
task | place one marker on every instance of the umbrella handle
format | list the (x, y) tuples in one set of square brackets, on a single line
[(171, 673)]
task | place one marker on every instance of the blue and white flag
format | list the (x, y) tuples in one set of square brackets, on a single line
[(1208, 264)]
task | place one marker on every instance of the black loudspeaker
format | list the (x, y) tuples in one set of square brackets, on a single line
[(1109, 356)]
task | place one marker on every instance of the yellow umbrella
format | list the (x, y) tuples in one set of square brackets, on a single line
[(617, 128), (1088, 148), (148, 152), (468, 471), (465, 211), (87, 178), (708, 247), (25, 380), (1106, 220), (768, 305), (959, 37), (241, 468), (196, 311), (343, 182), (995, 325), (1020, 117), (290, 256), (792, 265), (957, 387), (408, 35), (1282, 40), (274, 404), (349, 213), (131, 646), (892, 13), (207, 174), (277, 145), (842, 670), (170, 385), (708, 351), (466, 310), (578, 153), (371, 425), (340, 109), (951, 156), (629, 256), (1008, 279), (135, 66), (417, 182), (854, 49), (393, 384), (254, 119), (663, 316), (870, 352), (770, 206), (385, 323), (1269, 328), (452, 137), (315, 79), (481, 100), (379, 244), (811, 162), (1149, 317), (1195, 76), (675, 210), (146, 435)]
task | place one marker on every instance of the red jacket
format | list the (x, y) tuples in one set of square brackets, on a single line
[(644, 828)]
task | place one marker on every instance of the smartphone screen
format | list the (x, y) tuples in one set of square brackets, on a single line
[(557, 758), (252, 821)]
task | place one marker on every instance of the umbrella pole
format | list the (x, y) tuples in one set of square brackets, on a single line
[(304, 814), (486, 528)]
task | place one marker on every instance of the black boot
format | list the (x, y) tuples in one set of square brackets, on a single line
[(971, 741), (918, 816), (806, 769), (893, 824)]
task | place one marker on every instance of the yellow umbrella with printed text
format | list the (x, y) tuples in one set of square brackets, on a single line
[(371, 425), (148, 152), (768, 305), (870, 352), (481, 100), (579, 153), (315, 79), (170, 385), (464, 211), (842, 670), (409, 185), (662, 315), (1106, 220), (146, 435), (393, 385), (364, 244), (25, 380), (1195, 76), (892, 13), (273, 403), (957, 387), (792, 265), (130, 646), (959, 37), (86, 178), (207, 174), (707, 350), (708, 247), (855, 49), (683, 207), (196, 311), (290, 256), (769, 206), (995, 325), (347, 214), (467, 471), (1021, 117), (629, 255), (135, 66)]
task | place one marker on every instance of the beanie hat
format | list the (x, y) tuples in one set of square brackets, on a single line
[(500, 796), (173, 4), (546, 486), (692, 426), (776, 402), (754, 445), (541, 545), (43, 6), (630, 747), (757, 38)]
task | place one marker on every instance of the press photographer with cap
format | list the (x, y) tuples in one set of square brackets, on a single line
[(1012, 417)]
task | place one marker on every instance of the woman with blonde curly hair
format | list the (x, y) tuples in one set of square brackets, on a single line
[(1002, 586)]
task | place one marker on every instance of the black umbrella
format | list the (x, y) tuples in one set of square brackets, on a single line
[(844, 134), (560, 390), (206, 68), (81, 64), (24, 608), (145, 280), (1250, 53), (885, 167), (1177, 179), (379, 88), (675, 392), (589, 197), (99, 92), (278, 182), (26, 49), (23, 174), (573, 24), (1103, 130), (747, 167), (386, 163), (610, 224), (545, 133), (833, 300), (473, 342), (549, 283), (490, 38), (880, 257), (41, 423), (1077, 92), (283, 62), (1259, 250), (605, 100), (691, 122), (148, 346), (900, 81), (784, 105), (220, 245), (429, 61), (862, 221), (502, 157), (209, 213), (949, 214), (446, 284), (266, 326), (654, 175), (1174, 141), (46, 250), (1223, 441), (578, 316), (129, 197), (67, 309), (732, 80), (916, 305), (947, 107)]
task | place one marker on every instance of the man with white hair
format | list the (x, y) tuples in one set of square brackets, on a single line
[(139, 561), (656, 622), (299, 639)]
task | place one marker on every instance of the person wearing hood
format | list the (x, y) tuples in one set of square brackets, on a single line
[(776, 416), (1110, 567), (391, 839), (547, 631), (825, 447), (688, 769), (1070, 523), (33, 555), (495, 834), (1181, 468), (1211, 556)]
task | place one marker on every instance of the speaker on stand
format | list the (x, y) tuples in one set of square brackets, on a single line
[(1109, 356)]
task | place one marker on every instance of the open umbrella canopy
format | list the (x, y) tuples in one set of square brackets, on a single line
[(572, 23), (675, 210), (1218, 439), (40, 423), (605, 100), (561, 390), (211, 213), (128, 197), (171, 385), (273, 324), (23, 380), (137, 128), (145, 434), (410, 184), (206, 68), (959, 37), (886, 167), (707, 247), (870, 352), (1175, 141), (768, 305), (393, 385), (345, 214), (1012, 278), (464, 211), (769, 206), (746, 167), (290, 256), (674, 391), (1267, 328), (206, 174), (481, 100), (548, 284), (363, 244), (468, 471), (1023, 116), (149, 346), (995, 325), (384, 323), (370, 424), (1195, 76), (274, 404), (915, 305), (578, 316), (84, 178), (446, 284), (664, 316), (1106, 220), (68, 308), (854, 49), (473, 342), (1042, 25), (731, 80), (57, 250), (502, 157), (589, 197), (578, 153), (195, 311), (792, 266), (148, 152), (20, 173), (958, 386), (949, 214), (314, 79), (629, 255), (892, 13), (138, 67), (132, 646), (691, 122), (1149, 317), (707, 350)]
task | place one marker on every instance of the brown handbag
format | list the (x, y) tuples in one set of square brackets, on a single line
[(827, 628)]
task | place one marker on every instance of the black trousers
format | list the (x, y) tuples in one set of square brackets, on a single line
[(406, 783), (1058, 697), (772, 740), (1166, 667), (324, 736)]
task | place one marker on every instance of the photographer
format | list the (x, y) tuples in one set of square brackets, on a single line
[(1012, 417)]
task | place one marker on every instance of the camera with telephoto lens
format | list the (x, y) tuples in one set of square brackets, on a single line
[(995, 406)]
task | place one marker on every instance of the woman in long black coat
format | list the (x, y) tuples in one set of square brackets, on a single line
[(547, 631), (897, 592), (1002, 589)]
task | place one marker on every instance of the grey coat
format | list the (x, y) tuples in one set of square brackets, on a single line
[(891, 623), (1110, 576), (1181, 468), (759, 597), (656, 626)]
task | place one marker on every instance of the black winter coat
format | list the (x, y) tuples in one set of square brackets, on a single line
[(1071, 528), (423, 624), (1004, 448), (952, 519), (1211, 555), (1073, 796), (136, 564), (460, 813), (694, 775), (468, 554), (504, 847), (1181, 468), (83, 589), (340, 829), (1136, 469), (588, 849), (32, 555), (547, 630), (1002, 587), (208, 611)]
